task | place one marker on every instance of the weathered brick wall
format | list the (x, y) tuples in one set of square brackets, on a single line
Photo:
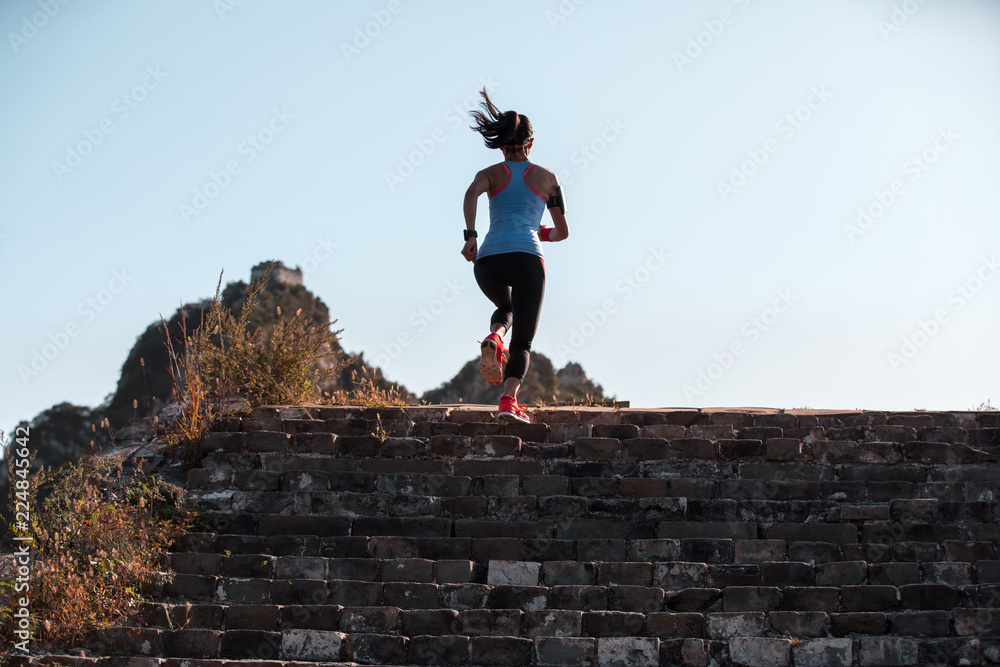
[(433, 536)]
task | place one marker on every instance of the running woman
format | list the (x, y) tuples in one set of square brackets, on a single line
[(510, 266)]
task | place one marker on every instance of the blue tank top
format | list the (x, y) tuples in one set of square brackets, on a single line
[(515, 214)]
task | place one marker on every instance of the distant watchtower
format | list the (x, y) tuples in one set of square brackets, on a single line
[(280, 274), (571, 374)]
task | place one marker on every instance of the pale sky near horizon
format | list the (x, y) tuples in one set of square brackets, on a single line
[(777, 204)]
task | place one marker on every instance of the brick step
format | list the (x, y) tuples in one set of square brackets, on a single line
[(216, 486), (694, 620), (694, 481), (404, 496), (738, 418), (485, 549), (383, 635), (572, 585), (969, 484), (567, 432), (653, 562), (872, 533), (535, 441), (559, 651)]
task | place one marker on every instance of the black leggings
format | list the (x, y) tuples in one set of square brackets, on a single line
[(515, 283)]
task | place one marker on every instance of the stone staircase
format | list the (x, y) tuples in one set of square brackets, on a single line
[(433, 536)]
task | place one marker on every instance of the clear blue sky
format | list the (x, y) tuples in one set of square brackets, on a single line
[(715, 156)]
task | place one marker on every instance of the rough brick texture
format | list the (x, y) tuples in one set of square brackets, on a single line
[(433, 535)]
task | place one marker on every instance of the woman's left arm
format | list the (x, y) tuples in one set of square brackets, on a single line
[(480, 184)]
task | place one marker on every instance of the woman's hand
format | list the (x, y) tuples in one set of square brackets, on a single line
[(557, 233), (470, 250)]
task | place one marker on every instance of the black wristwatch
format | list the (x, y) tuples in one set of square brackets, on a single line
[(470, 234)]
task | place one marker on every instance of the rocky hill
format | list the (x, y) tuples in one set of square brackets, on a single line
[(543, 383), (145, 377)]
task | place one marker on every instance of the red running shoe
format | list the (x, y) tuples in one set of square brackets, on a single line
[(494, 357), (511, 411)]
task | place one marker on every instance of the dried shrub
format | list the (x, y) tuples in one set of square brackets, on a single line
[(98, 535), (366, 392), (227, 362)]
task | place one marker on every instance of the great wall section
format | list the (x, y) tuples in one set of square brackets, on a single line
[(431, 535)]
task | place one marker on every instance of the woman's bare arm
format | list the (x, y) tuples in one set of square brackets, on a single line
[(560, 231), (480, 184), (550, 188)]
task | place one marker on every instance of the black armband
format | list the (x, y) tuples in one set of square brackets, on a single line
[(469, 234), (557, 200)]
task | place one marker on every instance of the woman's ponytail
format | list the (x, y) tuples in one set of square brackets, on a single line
[(499, 129)]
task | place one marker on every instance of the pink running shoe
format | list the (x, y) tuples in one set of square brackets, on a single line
[(511, 411), (494, 357)]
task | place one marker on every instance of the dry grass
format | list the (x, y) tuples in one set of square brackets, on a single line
[(225, 362), (98, 538), (365, 392), (587, 401)]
